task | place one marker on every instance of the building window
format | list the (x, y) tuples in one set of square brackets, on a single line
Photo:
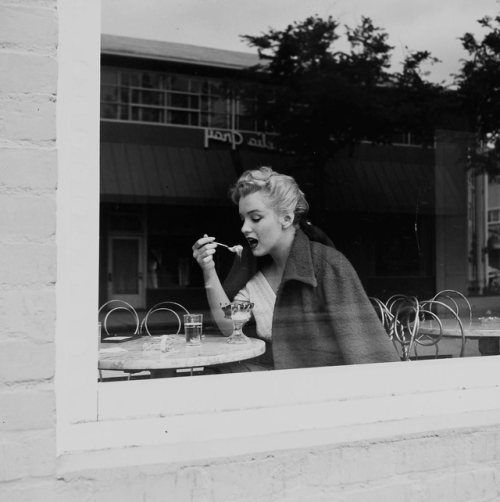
[(144, 96), (151, 97), (484, 234)]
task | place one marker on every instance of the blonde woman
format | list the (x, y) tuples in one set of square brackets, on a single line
[(310, 306)]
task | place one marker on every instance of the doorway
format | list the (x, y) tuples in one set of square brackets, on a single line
[(126, 270)]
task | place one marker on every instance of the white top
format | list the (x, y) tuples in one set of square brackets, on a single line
[(258, 291)]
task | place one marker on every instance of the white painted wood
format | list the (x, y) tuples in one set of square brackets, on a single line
[(77, 233), (257, 412)]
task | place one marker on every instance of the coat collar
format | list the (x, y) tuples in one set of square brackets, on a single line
[(299, 266)]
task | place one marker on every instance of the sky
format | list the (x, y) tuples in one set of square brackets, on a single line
[(432, 25)]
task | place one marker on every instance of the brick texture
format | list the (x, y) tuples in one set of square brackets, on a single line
[(27, 314), (24, 360), (22, 65), (28, 120), (28, 169), (28, 182), (24, 216), (28, 25)]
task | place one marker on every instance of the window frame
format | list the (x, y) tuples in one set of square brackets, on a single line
[(204, 92), (184, 419)]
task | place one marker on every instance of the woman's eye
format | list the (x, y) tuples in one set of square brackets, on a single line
[(255, 220)]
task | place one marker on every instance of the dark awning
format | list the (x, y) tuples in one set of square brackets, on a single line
[(144, 173), (384, 179), (152, 173), (380, 187)]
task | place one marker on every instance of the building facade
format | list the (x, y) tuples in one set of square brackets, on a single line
[(175, 134)]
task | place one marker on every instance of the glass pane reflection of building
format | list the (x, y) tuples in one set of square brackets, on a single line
[(175, 135)]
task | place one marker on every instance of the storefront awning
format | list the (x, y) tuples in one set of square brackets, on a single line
[(380, 187), (375, 180), (148, 173)]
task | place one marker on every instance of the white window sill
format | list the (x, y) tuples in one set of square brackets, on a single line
[(373, 403)]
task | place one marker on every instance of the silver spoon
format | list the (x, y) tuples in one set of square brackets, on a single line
[(234, 249)]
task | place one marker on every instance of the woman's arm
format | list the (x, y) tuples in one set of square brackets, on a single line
[(203, 251)]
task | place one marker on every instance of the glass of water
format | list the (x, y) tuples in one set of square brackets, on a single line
[(193, 326)]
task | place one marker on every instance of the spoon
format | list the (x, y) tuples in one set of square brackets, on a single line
[(234, 249)]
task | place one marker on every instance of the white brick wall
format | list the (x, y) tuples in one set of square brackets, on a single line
[(442, 468), (454, 466), (28, 180)]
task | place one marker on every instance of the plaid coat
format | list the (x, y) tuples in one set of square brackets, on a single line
[(322, 316)]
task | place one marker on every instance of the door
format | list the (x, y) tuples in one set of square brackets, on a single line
[(125, 270)]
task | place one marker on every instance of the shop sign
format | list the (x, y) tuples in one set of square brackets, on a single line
[(235, 138)]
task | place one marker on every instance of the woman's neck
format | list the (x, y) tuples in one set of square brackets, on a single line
[(280, 256)]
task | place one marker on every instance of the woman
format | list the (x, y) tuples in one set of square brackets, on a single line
[(310, 306)]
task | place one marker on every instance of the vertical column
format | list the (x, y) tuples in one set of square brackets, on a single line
[(452, 249), (78, 210)]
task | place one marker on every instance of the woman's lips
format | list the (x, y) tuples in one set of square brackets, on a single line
[(253, 243)]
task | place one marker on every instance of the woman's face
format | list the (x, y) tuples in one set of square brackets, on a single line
[(262, 227)]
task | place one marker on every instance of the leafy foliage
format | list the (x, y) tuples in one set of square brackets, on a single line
[(327, 99)]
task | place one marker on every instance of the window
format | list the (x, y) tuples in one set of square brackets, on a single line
[(143, 96), (494, 216), (484, 234), (182, 420), (252, 99)]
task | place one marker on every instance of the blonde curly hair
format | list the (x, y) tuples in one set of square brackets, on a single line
[(282, 191)]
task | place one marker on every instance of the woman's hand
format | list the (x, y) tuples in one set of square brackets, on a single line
[(203, 251)]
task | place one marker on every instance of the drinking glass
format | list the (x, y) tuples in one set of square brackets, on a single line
[(193, 326)]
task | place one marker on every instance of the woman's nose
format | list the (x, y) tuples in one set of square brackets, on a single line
[(244, 227)]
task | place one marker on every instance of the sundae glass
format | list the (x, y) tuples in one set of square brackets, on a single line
[(239, 312)]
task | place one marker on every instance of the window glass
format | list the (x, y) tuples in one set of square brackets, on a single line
[(179, 100), (180, 117), (215, 120), (148, 88), (494, 215), (219, 105), (124, 94), (109, 93), (211, 87), (109, 76), (130, 78), (151, 80), (393, 246), (124, 112), (109, 111), (125, 266), (178, 83), (152, 115)]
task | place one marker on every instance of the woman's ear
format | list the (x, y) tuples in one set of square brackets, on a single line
[(287, 220)]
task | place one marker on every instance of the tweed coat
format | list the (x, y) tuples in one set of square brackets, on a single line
[(322, 315)]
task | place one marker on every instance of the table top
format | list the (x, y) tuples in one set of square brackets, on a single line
[(474, 330), (213, 350)]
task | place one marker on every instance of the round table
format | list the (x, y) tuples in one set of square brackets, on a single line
[(487, 333), (130, 356)]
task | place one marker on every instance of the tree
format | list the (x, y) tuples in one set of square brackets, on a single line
[(478, 87), (326, 100)]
